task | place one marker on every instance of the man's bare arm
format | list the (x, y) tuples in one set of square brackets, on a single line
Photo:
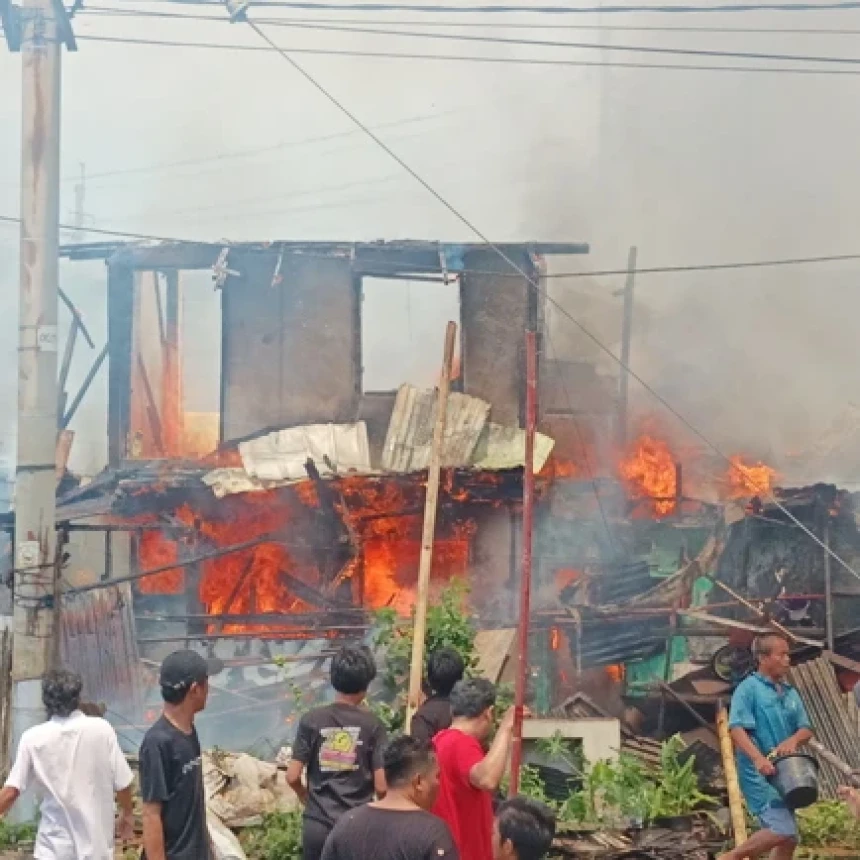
[(125, 822), (295, 769), (744, 743), (798, 739), (153, 832), (380, 786), (488, 773), (8, 796)]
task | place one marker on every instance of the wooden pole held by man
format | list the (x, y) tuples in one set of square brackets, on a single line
[(419, 629)]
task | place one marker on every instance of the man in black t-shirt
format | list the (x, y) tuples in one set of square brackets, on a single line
[(399, 827), (171, 773), (341, 746), (445, 667)]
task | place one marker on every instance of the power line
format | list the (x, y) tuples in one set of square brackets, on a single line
[(303, 5), (584, 46), (463, 219), (251, 151), (588, 46), (393, 55), (98, 11)]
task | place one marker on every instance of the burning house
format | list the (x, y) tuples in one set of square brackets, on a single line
[(275, 525), (270, 528)]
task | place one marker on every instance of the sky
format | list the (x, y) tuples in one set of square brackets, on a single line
[(691, 166)]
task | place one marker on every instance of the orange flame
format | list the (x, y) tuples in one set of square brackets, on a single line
[(554, 638), (748, 479), (615, 672), (153, 551), (383, 518), (651, 474)]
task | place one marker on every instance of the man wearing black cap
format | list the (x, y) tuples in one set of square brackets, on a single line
[(171, 774)]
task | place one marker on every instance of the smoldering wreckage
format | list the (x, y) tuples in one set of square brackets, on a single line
[(270, 531)]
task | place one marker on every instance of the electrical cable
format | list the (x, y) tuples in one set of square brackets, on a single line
[(305, 5), (97, 11), (764, 491), (586, 46), (536, 61)]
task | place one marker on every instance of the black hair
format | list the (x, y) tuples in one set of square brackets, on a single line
[(445, 667), (471, 697), (352, 669), (763, 644), (403, 757), (528, 825), (61, 692), (175, 695)]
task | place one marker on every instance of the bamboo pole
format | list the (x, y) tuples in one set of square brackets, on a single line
[(736, 804), (419, 629)]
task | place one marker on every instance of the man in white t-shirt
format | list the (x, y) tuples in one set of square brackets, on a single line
[(75, 765)]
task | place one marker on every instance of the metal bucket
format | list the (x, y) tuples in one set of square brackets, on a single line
[(796, 779)]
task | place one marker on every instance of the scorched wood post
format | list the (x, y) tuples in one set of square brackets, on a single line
[(419, 629), (526, 577)]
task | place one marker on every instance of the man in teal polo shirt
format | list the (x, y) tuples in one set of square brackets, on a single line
[(767, 720)]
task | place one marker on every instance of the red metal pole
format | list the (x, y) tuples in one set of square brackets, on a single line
[(526, 578)]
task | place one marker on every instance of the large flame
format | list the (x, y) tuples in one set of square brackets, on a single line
[(384, 520), (749, 479), (651, 474)]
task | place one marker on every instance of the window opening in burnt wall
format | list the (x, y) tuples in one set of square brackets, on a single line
[(403, 331), (176, 366)]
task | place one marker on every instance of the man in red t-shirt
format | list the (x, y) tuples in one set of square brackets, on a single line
[(468, 777)]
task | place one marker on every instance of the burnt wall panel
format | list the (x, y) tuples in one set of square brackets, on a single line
[(290, 348), (495, 308)]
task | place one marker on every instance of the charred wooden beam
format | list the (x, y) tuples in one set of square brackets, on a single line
[(335, 546)]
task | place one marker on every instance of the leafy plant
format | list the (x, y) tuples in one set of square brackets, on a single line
[(12, 835), (448, 625), (617, 794), (829, 824), (677, 790), (279, 837)]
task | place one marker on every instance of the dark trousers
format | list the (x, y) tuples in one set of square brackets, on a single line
[(314, 835)]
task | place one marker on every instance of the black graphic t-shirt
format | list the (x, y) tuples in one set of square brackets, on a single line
[(433, 716), (341, 746), (370, 833), (171, 773)]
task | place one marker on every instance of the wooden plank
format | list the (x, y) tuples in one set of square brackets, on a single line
[(494, 649), (416, 669)]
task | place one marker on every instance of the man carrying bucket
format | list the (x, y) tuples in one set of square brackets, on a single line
[(767, 721)]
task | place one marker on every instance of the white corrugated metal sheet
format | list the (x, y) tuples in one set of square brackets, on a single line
[(505, 448), (336, 449), (410, 431)]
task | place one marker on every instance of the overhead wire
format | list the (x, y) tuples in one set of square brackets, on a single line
[(467, 222), (460, 58), (587, 46), (97, 11), (306, 5)]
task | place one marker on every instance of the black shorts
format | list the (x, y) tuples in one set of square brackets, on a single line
[(314, 835)]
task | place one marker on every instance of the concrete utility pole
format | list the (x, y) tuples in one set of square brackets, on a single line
[(35, 492)]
